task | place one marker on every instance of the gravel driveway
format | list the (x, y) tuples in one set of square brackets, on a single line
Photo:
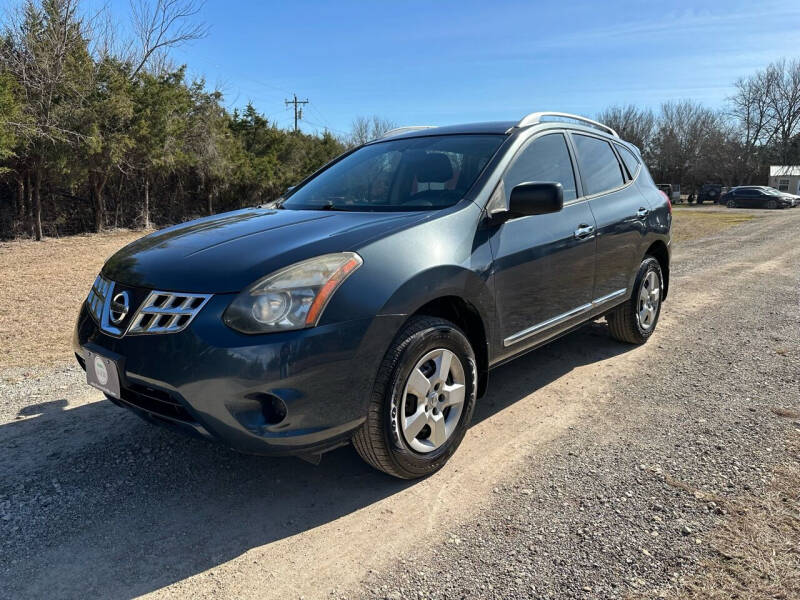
[(593, 470)]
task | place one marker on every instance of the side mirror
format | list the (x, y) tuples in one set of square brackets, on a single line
[(538, 198)]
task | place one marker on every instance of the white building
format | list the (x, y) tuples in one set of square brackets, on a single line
[(785, 178)]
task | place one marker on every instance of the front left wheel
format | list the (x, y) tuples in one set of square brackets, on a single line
[(422, 401)]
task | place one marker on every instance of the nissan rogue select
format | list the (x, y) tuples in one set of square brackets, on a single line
[(370, 302)]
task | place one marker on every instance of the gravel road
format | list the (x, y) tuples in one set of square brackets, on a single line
[(593, 470)]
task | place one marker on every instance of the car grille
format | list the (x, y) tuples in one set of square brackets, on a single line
[(167, 312), (101, 289), (157, 312), (155, 401)]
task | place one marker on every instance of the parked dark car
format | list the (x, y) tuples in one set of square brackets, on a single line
[(751, 196), (370, 303), (709, 192)]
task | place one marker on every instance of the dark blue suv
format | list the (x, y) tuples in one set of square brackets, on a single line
[(371, 301)]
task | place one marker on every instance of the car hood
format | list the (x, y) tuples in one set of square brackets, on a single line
[(228, 252)]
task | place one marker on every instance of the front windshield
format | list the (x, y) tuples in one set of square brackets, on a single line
[(423, 173)]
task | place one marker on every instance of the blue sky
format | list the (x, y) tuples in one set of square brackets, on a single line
[(440, 62)]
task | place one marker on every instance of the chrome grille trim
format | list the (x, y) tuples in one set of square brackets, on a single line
[(101, 289), (166, 312)]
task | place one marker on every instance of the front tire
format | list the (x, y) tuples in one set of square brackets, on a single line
[(422, 401), (634, 321), (772, 205)]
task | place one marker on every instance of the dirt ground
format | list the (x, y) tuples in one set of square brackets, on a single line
[(593, 469), (39, 281)]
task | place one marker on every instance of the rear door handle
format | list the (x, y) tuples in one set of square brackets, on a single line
[(642, 212), (583, 231)]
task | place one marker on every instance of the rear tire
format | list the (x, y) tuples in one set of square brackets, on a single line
[(634, 321), (389, 439), (731, 204)]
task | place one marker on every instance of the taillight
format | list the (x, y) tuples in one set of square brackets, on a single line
[(669, 202)]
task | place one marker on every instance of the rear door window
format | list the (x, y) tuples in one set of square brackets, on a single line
[(545, 159), (630, 160), (599, 167)]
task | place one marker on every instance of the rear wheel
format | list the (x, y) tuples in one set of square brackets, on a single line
[(731, 204), (635, 321), (422, 402)]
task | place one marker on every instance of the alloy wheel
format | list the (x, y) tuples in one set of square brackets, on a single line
[(433, 400), (649, 297)]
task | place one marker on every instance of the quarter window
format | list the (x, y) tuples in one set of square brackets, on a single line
[(600, 170), (544, 159), (630, 160)]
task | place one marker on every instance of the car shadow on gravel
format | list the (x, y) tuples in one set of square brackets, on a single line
[(128, 508)]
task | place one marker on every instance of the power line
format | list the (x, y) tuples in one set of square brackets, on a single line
[(325, 121), (298, 108)]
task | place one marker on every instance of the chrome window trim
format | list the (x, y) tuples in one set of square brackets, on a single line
[(623, 169), (522, 147), (638, 161), (484, 197), (558, 319)]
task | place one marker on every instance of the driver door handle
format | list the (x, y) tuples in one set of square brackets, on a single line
[(583, 231)]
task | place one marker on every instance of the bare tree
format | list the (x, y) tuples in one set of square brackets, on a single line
[(754, 122), (161, 25), (685, 142), (783, 98), (364, 129), (635, 125)]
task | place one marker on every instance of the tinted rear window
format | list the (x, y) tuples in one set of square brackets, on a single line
[(600, 170), (630, 160)]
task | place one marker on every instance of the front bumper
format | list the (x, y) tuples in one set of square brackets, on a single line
[(212, 381)]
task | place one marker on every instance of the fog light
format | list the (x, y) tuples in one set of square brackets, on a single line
[(258, 410), (273, 408)]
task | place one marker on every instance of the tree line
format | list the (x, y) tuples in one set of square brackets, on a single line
[(97, 134), (687, 143), (98, 130)]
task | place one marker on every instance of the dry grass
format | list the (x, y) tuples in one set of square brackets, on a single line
[(42, 285), (757, 547), (691, 224)]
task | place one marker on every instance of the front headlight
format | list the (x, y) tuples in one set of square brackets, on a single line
[(292, 298)]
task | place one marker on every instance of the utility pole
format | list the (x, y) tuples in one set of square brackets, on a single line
[(298, 109)]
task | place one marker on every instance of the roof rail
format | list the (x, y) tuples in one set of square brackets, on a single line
[(538, 117), (399, 130)]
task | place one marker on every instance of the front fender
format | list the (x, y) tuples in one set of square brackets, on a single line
[(440, 282)]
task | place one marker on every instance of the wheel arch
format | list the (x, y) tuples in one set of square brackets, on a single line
[(659, 251), (467, 317)]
